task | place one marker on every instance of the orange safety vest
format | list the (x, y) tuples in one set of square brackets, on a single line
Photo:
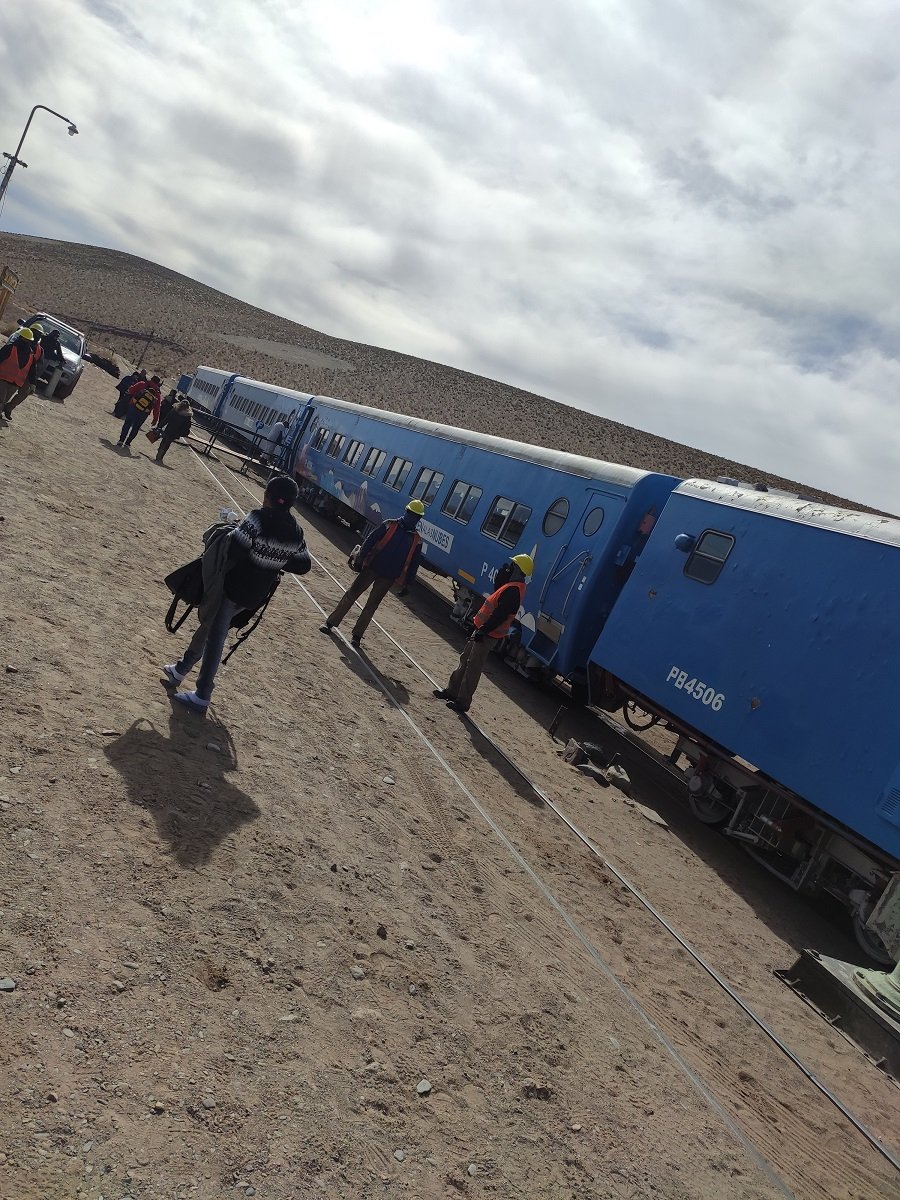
[(10, 371), (382, 542), (489, 607)]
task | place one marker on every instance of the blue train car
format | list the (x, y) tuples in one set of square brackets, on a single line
[(250, 408), (255, 407), (583, 521), (765, 627)]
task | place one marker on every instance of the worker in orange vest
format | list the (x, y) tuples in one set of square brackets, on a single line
[(493, 622), (17, 358), (389, 555)]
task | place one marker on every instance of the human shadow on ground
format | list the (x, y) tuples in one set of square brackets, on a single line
[(114, 446), (501, 764), (182, 783), (358, 661)]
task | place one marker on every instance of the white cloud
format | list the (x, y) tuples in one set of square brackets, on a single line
[(679, 216)]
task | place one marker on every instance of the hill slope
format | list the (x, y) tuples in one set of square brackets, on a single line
[(106, 292)]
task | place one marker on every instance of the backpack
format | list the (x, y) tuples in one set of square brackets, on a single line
[(186, 585), (144, 401)]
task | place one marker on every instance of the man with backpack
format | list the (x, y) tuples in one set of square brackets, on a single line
[(241, 566), (390, 554), (143, 399)]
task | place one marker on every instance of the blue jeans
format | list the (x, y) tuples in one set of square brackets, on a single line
[(208, 642), (132, 423)]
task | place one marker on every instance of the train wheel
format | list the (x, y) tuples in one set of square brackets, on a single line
[(871, 942), (709, 810), (637, 718)]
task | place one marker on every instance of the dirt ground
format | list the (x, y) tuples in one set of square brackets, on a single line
[(240, 944)]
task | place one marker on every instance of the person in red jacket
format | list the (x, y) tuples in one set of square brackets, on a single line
[(143, 399), (16, 360), (493, 622)]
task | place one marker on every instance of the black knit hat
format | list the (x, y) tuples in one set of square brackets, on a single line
[(282, 491)]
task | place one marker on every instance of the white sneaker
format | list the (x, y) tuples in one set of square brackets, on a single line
[(170, 671), (192, 701)]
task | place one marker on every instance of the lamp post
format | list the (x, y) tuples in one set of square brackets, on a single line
[(14, 160)]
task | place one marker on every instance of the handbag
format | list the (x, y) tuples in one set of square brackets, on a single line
[(153, 435)]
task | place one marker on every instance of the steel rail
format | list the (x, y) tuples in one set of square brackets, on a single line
[(547, 800), (751, 1149)]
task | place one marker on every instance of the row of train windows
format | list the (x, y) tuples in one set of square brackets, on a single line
[(258, 412), (505, 521), (202, 385)]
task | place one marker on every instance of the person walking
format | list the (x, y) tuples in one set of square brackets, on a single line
[(493, 622), (175, 423), (17, 358), (52, 358), (166, 407), (241, 566), (121, 405), (389, 555), (143, 399)]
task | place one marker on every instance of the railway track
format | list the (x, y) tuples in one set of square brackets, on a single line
[(732, 1058)]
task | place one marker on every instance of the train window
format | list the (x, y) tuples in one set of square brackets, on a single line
[(506, 520), (374, 461), (427, 485), (319, 440), (708, 557), (336, 445), (555, 516), (397, 473), (460, 504), (592, 522), (354, 451)]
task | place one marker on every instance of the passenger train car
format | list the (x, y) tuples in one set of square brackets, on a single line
[(765, 628), (248, 407), (486, 498), (758, 626)]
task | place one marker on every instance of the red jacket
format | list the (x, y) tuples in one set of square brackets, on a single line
[(152, 391)]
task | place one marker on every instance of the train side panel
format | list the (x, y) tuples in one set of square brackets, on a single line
[(207, 388), (775, 637), (255, 407), (483, 506)]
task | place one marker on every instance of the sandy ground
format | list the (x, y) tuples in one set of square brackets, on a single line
[(240, 944)]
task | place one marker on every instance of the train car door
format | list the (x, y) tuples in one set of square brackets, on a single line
[(566, 578)]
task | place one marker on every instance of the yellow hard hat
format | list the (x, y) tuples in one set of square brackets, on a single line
[(417, 507), (525, 563), (26, 334), (36, 327)]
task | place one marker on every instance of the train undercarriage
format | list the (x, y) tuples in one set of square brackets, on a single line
[(783, 832)]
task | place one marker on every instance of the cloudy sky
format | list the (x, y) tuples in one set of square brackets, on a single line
[(681, 214)]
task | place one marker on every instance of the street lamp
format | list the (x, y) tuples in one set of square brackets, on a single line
[(14, 160)]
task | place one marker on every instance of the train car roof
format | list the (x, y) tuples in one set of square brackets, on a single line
[(848, 521), (212, 371), (273, 387), (559, 460)]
